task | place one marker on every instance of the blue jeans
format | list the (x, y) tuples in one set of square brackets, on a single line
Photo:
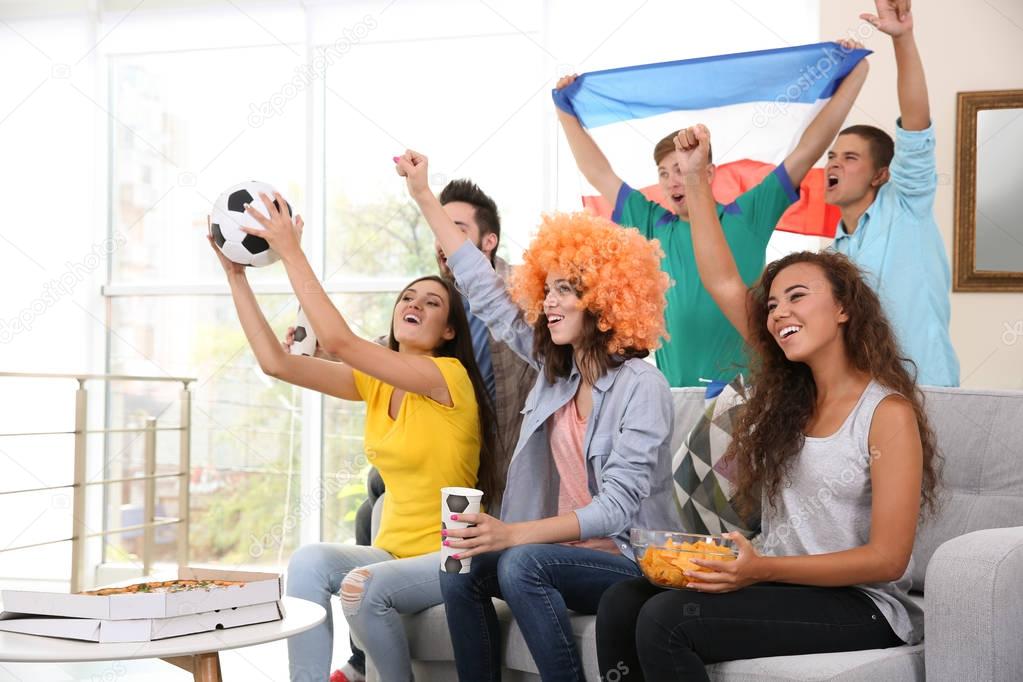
[(375, 590), (315, 573), (541, 583)]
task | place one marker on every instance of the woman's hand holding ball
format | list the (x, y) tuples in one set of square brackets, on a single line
[(279, 230)]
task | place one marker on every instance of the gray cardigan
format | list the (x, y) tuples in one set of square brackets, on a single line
[(628, 434)]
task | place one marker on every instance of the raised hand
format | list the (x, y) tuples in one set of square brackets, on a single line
[(230, 267), (289, 340), (283, 233), (693, 147), (848, 44), (893, 17), (414, 167), (565, 81)]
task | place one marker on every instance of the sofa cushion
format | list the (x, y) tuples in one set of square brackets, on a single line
[(872, 665), (980, 439), (429, 642)]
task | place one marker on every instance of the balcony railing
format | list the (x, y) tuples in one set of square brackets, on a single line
[(79, 486)]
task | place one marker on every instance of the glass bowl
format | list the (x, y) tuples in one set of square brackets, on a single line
[(665, 555)]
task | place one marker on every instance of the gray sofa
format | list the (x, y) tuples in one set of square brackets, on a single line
[(969, 557)]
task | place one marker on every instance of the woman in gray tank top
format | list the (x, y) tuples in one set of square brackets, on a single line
[(833, 447)]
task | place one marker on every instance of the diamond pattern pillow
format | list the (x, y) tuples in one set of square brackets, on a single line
[(703, 477)]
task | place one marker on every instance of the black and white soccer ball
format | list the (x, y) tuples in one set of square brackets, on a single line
[(229, 217)]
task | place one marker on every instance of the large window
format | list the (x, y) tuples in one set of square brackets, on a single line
[(316, 101), (272, 467)]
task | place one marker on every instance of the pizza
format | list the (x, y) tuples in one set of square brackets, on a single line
[(166, 586)]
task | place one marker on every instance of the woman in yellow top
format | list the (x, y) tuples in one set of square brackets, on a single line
[(429, 424)]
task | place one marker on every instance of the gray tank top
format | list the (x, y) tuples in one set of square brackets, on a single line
[(824, 506)]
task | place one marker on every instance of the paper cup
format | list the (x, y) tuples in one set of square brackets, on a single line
[(305, 339), (457, 501)]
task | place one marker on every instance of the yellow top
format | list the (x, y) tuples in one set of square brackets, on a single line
[(428, 447)]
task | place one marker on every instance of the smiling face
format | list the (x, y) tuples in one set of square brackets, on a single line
[(669, 178), (851, 174), (464, 216), (421, 315), (562, 309), (802, 314)]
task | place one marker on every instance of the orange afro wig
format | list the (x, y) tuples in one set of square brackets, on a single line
[(616, 269)]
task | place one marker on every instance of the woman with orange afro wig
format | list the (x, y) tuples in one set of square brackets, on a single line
[(593, 457)]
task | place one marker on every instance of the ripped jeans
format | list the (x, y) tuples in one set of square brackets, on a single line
[(375, 590)]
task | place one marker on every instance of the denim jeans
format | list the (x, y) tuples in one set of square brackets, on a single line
[(373, 599), (315, 573), (386, 587), (541, 583)]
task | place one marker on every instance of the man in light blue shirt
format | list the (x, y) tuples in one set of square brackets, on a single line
[(885, 191)]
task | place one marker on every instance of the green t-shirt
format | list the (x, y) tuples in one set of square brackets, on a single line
[(704, 344)]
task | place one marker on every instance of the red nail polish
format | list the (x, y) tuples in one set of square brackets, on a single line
[(456, 556), (446, 543), (454, 517), (395, 159)]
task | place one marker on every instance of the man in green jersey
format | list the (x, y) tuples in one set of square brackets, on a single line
[(703, 344)]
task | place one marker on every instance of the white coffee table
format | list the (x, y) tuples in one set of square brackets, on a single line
[(198, 654)]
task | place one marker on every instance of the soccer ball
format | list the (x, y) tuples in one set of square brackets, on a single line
[(229, 217)]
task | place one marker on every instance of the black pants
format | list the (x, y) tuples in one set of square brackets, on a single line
[(364, 536), (644, 632)]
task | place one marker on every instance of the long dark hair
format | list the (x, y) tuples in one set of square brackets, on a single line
[(769, 431), (460, 348)]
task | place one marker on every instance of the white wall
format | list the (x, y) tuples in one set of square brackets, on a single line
[(978, 46)]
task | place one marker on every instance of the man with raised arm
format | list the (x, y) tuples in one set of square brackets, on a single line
[(703, 345), (885, 191)]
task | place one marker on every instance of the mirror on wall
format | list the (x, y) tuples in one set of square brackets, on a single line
[(988, 247)]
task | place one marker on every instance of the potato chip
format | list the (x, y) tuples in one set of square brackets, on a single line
[(664, 565)]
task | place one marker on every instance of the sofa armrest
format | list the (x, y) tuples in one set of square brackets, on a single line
[(974, 607)]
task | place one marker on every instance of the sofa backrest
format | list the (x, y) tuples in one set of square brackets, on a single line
[(980, 437)]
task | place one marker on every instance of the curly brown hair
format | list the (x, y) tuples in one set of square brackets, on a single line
[(769, 430)]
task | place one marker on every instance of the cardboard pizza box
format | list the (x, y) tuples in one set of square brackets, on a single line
[(258, 588), (139, 629)]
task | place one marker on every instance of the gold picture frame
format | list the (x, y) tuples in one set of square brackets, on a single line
[(966, 276)]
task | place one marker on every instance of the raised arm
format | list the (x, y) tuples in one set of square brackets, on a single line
[(591, 161), (414, 167), (331, 378), (479, 283), (894, 18), (828, 121), (406, 371), (714, 259)]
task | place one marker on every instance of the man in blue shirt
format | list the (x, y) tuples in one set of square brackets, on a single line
[(885, 191)]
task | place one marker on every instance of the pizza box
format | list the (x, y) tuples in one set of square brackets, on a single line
[(259, 588), (139, 629)]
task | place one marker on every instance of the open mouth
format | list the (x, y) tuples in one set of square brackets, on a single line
[(786, 332), (678, 198), (553, 319), (832, 181), (412, 318)]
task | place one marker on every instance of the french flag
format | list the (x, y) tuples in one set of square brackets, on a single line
[(756, 104)]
